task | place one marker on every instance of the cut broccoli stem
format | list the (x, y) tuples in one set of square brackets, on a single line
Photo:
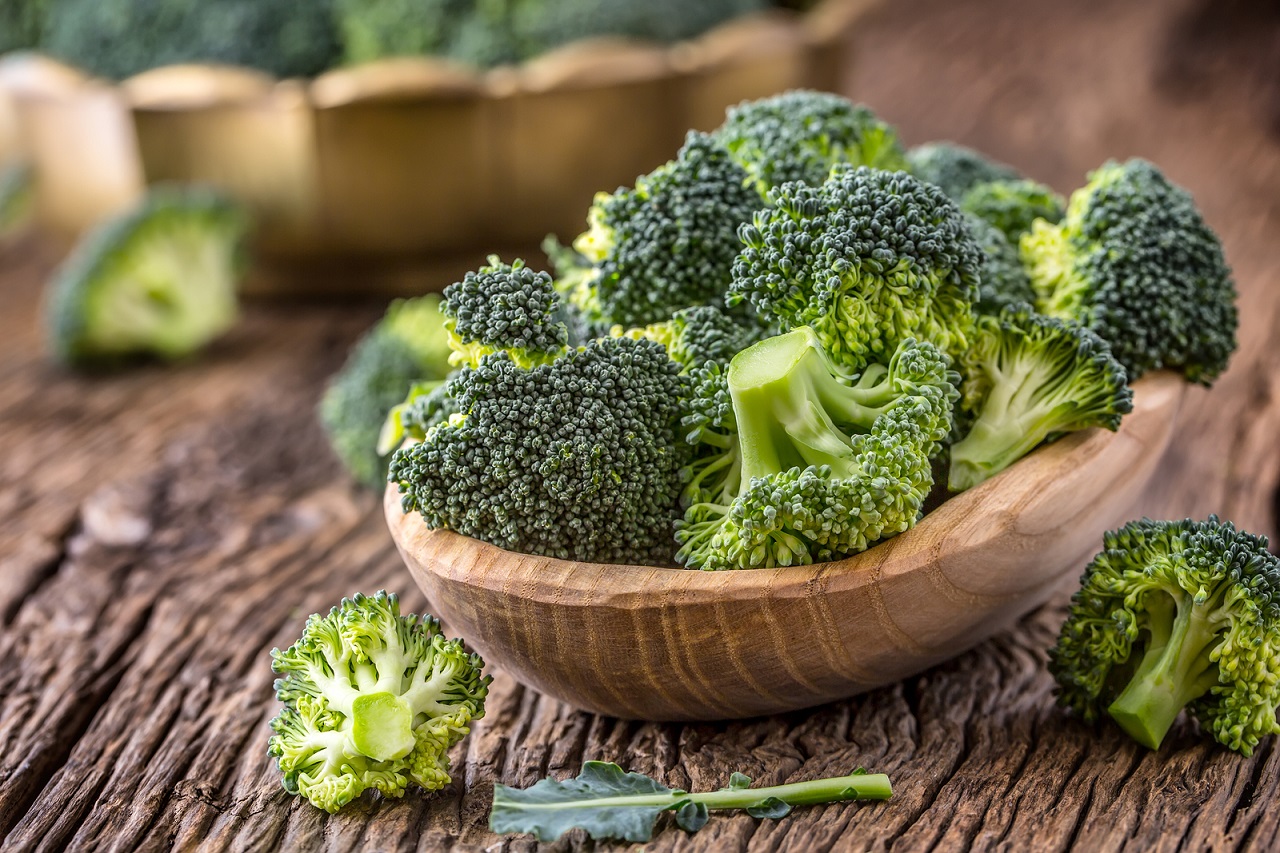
[(382, 726), (1175, 670)]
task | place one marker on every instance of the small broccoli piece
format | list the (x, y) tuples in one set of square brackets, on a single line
[(1012, 206), (20, 23), (1030, 378), (576, 459), (955, 168), (375, 29), (816, 465), (800, 135), (867, 259), (667, 244), (372, 699), (700, 334), (408, 345), (1173, 615), (507, 307), (1134, 261), (1003, 280), (15, 199), (120, 38), (159, 279)]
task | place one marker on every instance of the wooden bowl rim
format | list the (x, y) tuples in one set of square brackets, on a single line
[(554, 581)]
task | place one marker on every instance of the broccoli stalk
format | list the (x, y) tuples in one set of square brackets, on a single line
[(1031, 378), (372, 699), (1173, 615)]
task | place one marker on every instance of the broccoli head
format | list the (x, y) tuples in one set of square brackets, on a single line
[(1012, 206), (577, 458), (810, 465), (1134, 261), (159, 279), (667, 244), (867, 259), (120, 38), (1030, 378), (1003, 280), (955, 168), (408, 345), (800, 135), (372, 699), (504, 307), (1173, 615)]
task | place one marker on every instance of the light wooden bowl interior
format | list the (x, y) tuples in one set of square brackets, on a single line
[(673, 644)]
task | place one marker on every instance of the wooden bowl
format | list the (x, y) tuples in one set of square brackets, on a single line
[(674, 644)]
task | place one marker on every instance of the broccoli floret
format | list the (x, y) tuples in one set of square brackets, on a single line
[(1012, 206), (408, 345), (120, 38), (159, 279), (1003, 280), (811, 465), (700, 334), (576, 459), (667, 244), (1134, 261), (1030, 378), (955, 168), (1173, 615), (374, 29), (507, 307), (868, 259), (800, 135), (20, 23), (372, 699)]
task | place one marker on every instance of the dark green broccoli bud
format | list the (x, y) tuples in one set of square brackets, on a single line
[(20, 23), (576, 459), (408, 345), (667, 244), (159, 279), (543, 25), (1134, 261), (1031, 378), (812, 465), (372, 699), (120, 38), (703, 333), (507, 307), (1012, 206), (1173, 615), (1003, 281), (428, 404), (800, 135), (955, 168), (375, 29), (867, 259)]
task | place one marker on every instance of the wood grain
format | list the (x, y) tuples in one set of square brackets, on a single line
[(161, 530)]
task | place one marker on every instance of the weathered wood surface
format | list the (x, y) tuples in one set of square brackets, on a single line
[(161, 530)]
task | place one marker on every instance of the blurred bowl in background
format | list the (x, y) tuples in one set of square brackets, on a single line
[(398, 175)]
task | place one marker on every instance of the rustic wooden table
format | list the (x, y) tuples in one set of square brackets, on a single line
[(161, 530)]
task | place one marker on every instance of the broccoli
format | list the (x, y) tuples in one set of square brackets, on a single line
[(120, 38), (868, 259), (574, 456), (1012, 206), (374, 29), (407, 345), (507, 307), (700, 334), (1134, 261), (372, 699), (1176, 614), (800, 135), (818, 465), (667, 244), (544, 24), (20, 23), (1030, 378), (955, 168), (1003, 280), (159, 279)]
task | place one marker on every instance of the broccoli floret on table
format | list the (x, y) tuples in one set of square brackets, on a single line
[(1134, 261), (1173, 615), (868, 259), (800, 135), (159, 279), (1030, 378), (374, 700), (803, 463)]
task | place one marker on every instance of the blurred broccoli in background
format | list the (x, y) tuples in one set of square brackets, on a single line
[(120, 38), (1004, 281), (372, 29), (544, 24), (955, 168), (408, 345), (15, 199), (1012, 206), (159, 279), (20, 23)]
